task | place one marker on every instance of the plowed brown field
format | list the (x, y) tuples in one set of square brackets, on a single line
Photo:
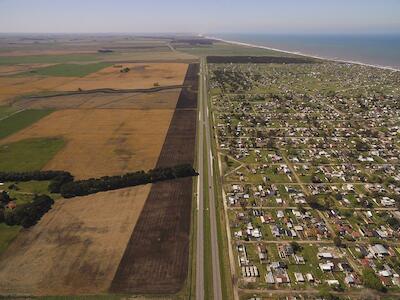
[(156, 258)]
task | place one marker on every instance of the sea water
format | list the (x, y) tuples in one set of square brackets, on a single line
[(376, 49)]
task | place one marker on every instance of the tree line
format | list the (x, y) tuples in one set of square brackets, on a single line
[(63, 182), (57, 178), (33, 175), (107, 183)]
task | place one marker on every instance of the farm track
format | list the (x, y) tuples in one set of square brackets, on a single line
[(157, 255)]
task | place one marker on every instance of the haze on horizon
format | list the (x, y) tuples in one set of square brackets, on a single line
[(207, 16)]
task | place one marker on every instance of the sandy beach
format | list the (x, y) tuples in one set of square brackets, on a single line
[(303, 54)]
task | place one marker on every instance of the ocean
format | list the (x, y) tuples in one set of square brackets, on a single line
[(381, 50)]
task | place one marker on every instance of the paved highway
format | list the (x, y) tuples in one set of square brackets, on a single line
[(200, 200), (204, 123)]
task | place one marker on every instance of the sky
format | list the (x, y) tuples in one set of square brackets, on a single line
[(201, 16)]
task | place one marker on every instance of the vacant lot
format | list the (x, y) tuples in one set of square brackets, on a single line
[(28, 155), (141, 75), (165, 99), (75, 248), (102, 141)]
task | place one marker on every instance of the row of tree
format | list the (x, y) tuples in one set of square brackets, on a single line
[(57, 178), (106, 183), (27, 214), (63, 182), (33, 175)]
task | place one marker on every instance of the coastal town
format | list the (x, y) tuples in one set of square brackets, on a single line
[(309, 160)]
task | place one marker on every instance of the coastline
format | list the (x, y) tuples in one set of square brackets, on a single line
[(304, 54)]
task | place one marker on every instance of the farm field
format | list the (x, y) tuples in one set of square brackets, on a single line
[(15, 86), (83, 112), (76, 246), (6, 111), (70, 70), (113, 142), (140, 75), (35, 59), (28, 154), (121, 53), (11, 70), (20, 120), (156, 258), (73, 77), (163, 99)]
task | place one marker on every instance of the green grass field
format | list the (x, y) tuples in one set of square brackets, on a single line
[(21, 120), (7, 234), (70, 70), (30, 59), (28, 155), (6, 111)]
